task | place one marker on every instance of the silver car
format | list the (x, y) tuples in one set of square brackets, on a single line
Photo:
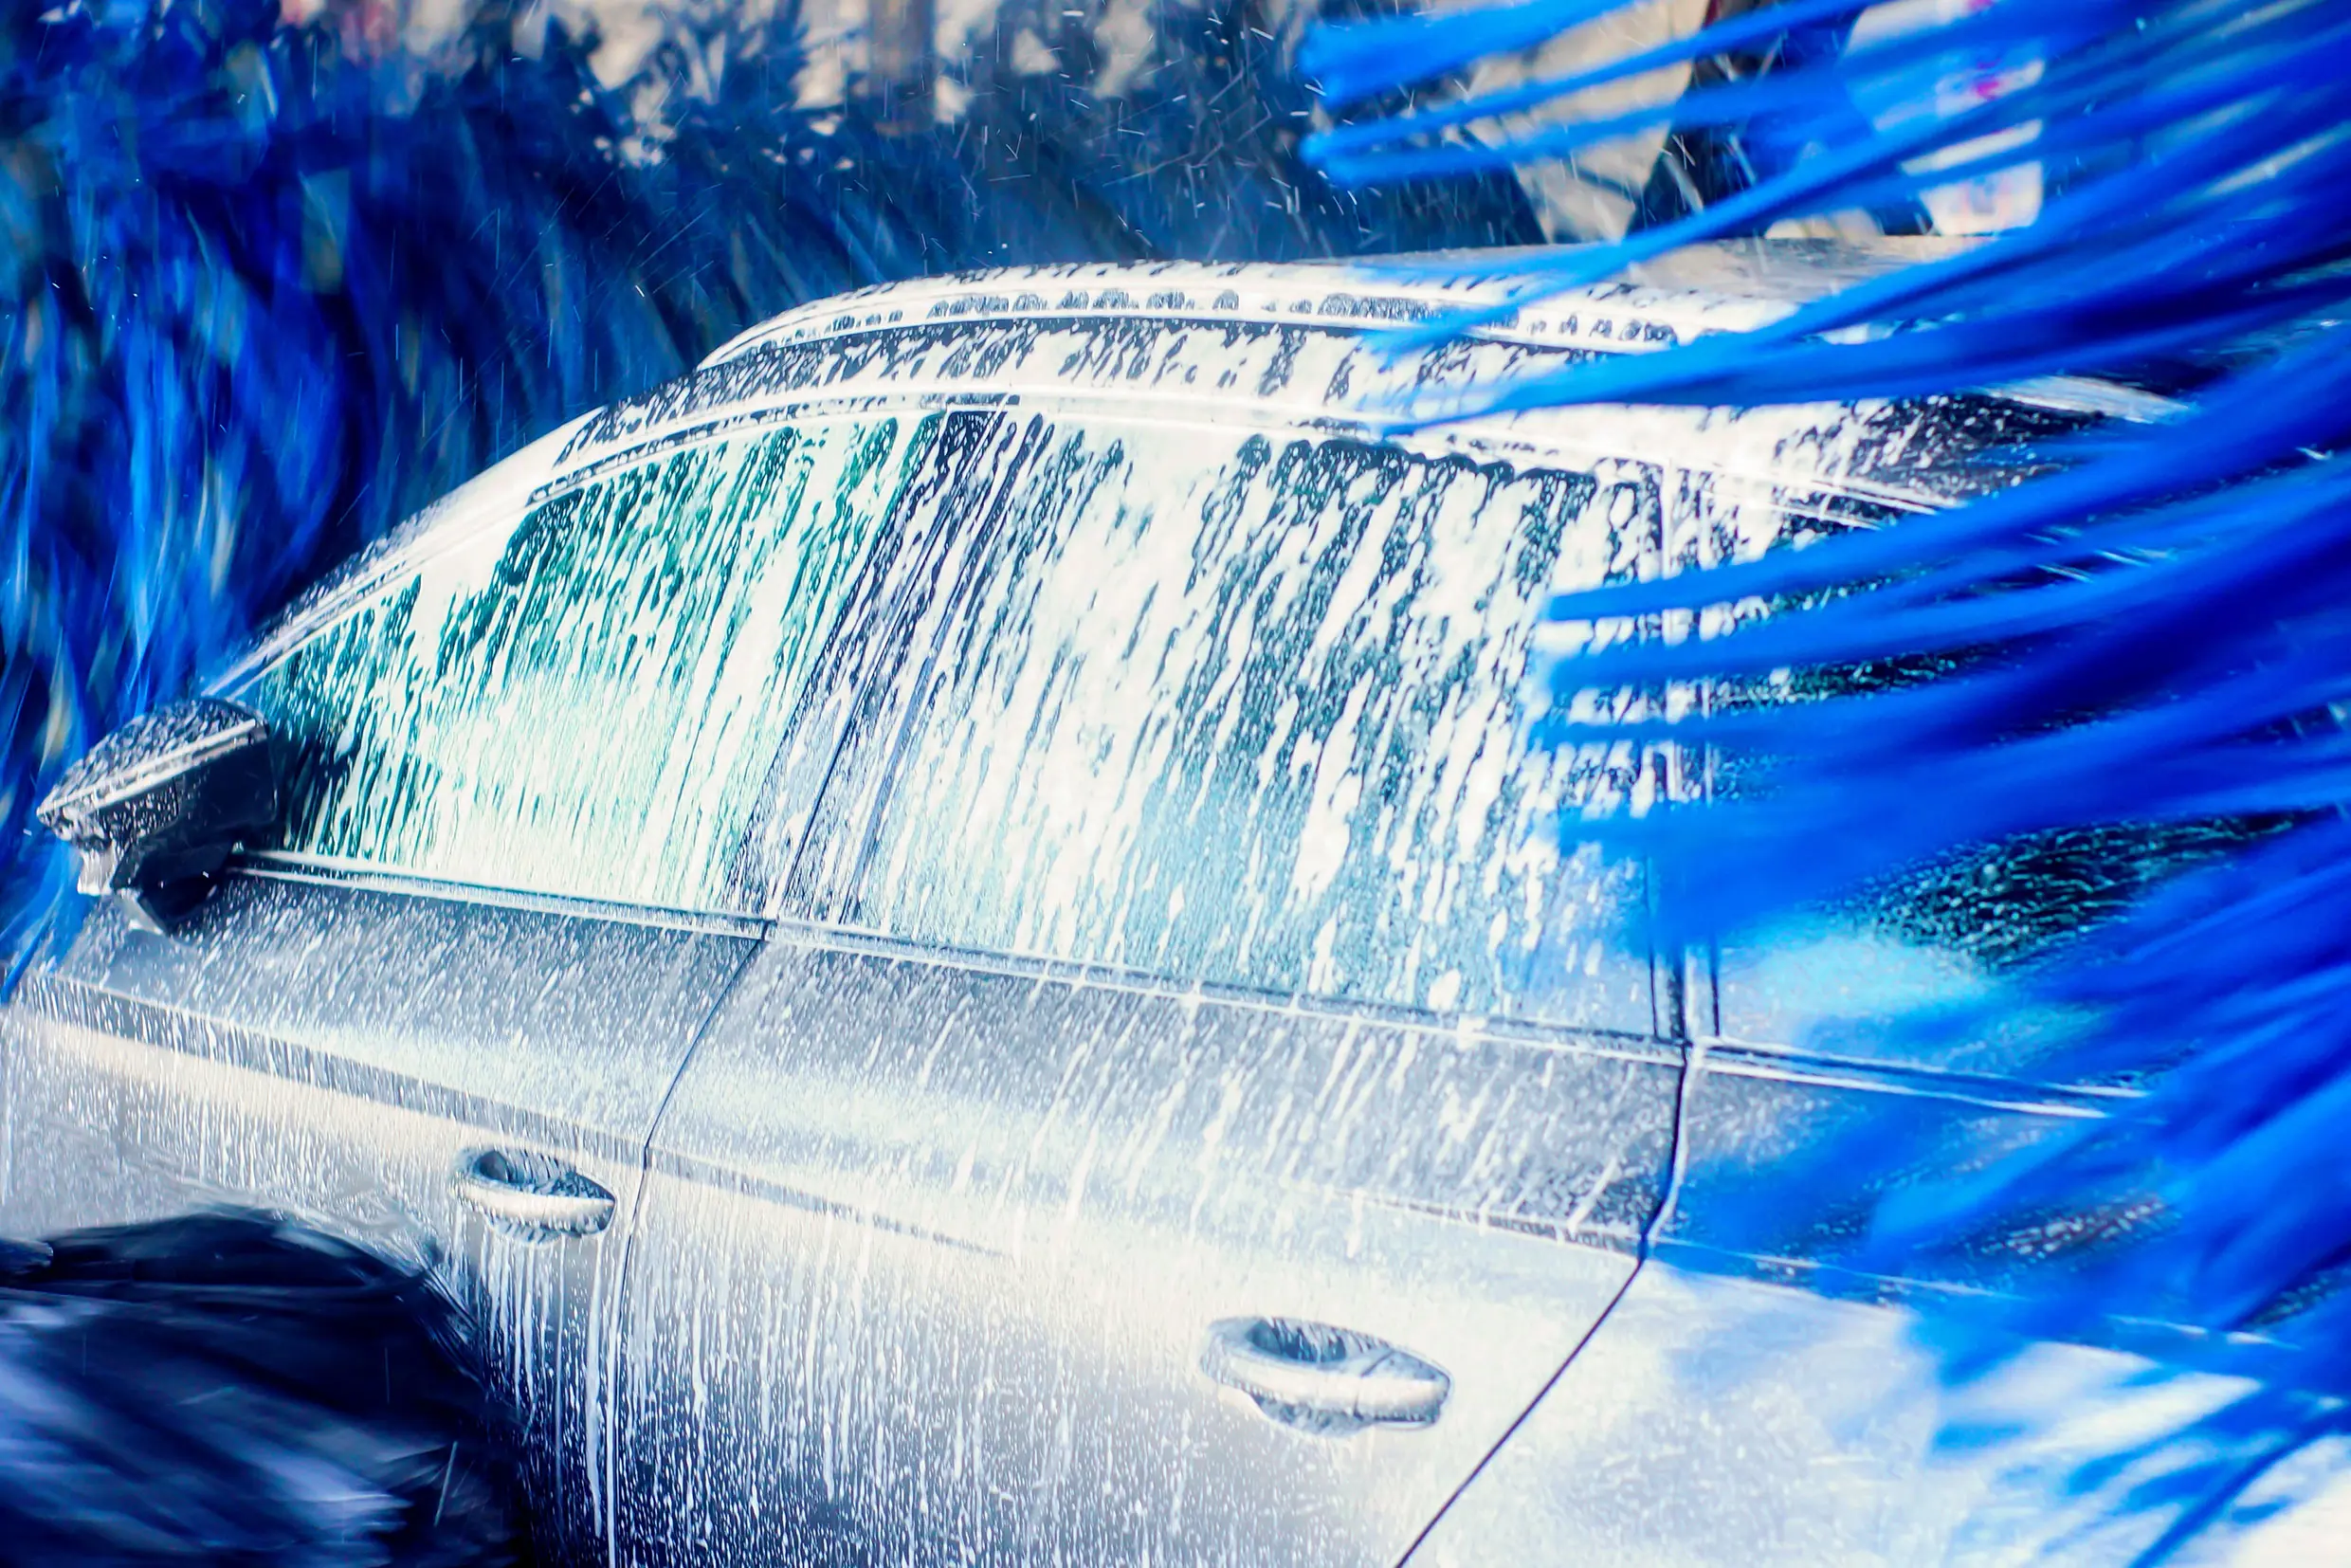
[(965, 932)]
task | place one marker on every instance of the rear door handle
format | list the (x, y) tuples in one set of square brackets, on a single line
[(1323, 1379), (530, 1196)]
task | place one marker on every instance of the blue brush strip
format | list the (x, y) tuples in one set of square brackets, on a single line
[(1739, 32), (2152, 634), (1359, 59)]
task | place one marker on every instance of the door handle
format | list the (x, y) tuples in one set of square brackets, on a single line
[(535, 1197), (1322, 1379)]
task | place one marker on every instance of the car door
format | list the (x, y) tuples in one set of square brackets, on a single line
[(522, 752), (1188, 1105)]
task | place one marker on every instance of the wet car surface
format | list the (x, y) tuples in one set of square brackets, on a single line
[(950, 928)]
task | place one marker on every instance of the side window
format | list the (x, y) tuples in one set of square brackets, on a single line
[(589, 701), (1253, 709)]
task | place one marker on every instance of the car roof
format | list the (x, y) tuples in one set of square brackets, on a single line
[(1726, 285)]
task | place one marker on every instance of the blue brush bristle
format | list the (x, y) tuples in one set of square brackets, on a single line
[(2151, 633)]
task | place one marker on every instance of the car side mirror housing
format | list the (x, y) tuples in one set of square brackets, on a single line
[(156, 808)]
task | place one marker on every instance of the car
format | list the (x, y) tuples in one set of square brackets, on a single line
[(968, 934)]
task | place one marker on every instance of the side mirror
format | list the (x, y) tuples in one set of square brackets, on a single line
[(157, 806)]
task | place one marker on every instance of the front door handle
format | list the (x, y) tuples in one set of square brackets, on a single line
[(534, 1197), (1322, 1379)]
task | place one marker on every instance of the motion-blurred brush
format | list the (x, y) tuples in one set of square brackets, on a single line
[(226, 1390), (2150, 635)]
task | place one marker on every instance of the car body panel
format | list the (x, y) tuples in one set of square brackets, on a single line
[(1716, 1419), (332, 1051), (1786, 1153), (932, 1251)]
